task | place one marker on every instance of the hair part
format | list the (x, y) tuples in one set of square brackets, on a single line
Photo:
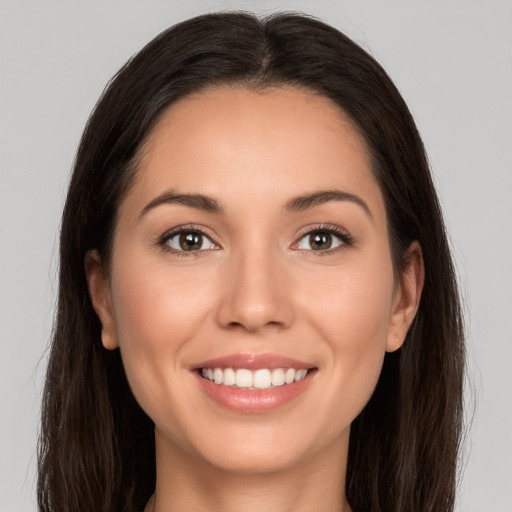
[(96, 447)]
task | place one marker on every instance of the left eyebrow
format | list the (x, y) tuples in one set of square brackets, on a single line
[(305, 202)]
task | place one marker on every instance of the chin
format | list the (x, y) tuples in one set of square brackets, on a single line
[(254, 461), (265, 450)]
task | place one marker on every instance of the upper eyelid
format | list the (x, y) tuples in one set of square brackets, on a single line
[(187, 227), (306, 230), (346, 238), (172, 232), (331, 228)]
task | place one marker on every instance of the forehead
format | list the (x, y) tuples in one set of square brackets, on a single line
[(232, 142)]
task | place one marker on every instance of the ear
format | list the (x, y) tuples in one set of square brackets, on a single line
[(406, 298), (100, 293)]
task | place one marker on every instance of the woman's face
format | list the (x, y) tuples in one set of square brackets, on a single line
[(253, 243)]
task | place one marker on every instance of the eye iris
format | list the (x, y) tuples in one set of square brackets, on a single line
[(321, 241), (191, 241)]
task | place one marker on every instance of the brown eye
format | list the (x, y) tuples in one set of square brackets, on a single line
[(319, 241), (190, 241)]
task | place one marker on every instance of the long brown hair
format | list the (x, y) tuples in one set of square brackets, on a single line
[(96, 448)]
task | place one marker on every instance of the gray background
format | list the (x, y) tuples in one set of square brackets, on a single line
[(452, 60)]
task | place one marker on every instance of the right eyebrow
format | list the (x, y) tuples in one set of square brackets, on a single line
[(198, 201)]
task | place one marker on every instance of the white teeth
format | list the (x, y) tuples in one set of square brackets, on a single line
[(300, 374), (262, 379), (289, 376), (258, 379), (277, 377), (243, 378), (217, 376), (229, 378)]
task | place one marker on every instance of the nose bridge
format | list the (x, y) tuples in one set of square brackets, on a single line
[(254, 295)]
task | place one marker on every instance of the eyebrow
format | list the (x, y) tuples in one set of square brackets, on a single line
[(305, 202), (198, 201), (212, 205)]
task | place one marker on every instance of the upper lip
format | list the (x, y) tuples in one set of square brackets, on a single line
[(253, 362)]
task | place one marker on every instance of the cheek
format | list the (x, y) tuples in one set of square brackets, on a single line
[(353, 303), (155, 303), (156, 312), (352, 315)]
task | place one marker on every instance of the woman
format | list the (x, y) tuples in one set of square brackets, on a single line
[(257, 305)]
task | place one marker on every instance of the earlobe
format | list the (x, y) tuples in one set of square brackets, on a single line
[(99, 292), (407, 297)]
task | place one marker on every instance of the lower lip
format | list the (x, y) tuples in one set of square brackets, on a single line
[(254, 400)]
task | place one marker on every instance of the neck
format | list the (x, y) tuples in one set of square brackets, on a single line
[(186, 484)]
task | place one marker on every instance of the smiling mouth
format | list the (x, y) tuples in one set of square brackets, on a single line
[(243, 378)]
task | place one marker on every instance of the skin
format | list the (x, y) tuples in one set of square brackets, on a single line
[(256, 288)]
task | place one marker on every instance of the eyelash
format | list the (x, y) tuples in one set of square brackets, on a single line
[(163, 242), (345, 238)]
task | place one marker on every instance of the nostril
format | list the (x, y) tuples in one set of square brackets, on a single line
[(254, 299), (253, 326)]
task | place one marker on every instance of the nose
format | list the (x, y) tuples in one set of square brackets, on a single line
[(255, 294)]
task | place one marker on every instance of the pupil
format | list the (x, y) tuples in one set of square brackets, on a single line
[(321, 241), (190, 241)]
